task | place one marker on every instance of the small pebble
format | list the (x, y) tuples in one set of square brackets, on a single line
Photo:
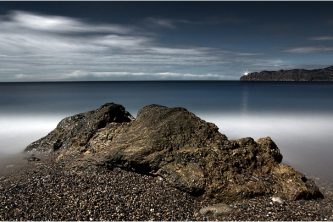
[(277, 200)]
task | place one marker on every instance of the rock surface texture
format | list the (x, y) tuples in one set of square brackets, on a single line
[(187, 152), (325, 74), (77, 130)]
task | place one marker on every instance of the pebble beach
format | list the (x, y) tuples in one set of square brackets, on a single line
[(46, 190)]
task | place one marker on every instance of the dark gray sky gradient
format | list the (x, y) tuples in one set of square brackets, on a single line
[(74, 41)]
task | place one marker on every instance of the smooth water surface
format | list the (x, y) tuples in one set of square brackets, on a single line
[(297, 115)]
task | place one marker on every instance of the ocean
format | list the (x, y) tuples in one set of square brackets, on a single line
[(296, 115)]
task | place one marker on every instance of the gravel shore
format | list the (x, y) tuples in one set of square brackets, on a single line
[(45, 190)]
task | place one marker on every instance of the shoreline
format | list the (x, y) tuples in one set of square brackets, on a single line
[(46, 190)]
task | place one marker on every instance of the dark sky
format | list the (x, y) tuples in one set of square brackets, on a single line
[(161, 40)]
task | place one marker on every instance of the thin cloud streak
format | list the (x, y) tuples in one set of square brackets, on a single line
[(160, 22), (322, 38), (309, 49), (81, 74), (174, 23), (59, 24)]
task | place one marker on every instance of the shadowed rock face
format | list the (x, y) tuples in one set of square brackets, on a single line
[(175, 144), (78, 129), (325, 74)]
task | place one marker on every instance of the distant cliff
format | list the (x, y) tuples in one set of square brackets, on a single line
[(325, 74)]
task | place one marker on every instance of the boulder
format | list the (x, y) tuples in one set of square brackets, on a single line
[(173, 143)]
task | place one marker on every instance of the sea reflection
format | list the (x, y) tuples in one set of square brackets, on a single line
[(16, 132)]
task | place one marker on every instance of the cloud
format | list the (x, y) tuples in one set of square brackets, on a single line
[(37, 47), (43, 47), (174, 23), (189, 75), (309, 49), (59, 24), (322, 38), (161, 22), (79, 74), (126, 42), (179, 51)]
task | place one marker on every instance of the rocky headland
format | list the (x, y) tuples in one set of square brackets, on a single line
[(165, 164), (325, 74)]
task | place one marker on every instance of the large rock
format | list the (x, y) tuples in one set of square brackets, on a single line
[(175, 144)]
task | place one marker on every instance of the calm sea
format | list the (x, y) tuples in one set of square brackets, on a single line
[(297, 115)]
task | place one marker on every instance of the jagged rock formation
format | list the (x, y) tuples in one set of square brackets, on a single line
[(178, 146), (325, 74)]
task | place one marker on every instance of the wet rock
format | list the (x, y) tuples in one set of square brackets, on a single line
[(189, 153)]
